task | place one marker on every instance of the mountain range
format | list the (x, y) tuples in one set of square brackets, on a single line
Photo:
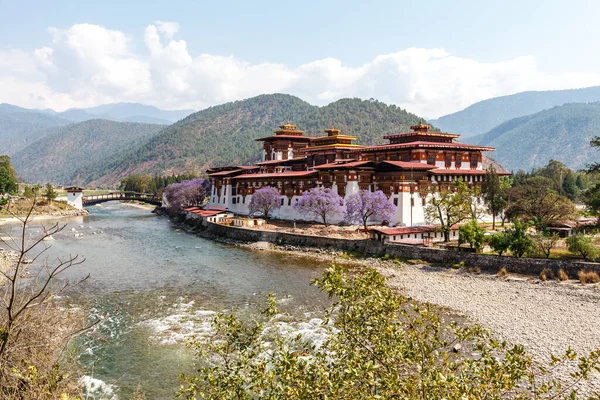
[(561, 133), (100, 152), (20, 126), (485, 115)]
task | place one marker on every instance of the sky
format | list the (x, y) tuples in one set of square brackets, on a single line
[(429, 57)]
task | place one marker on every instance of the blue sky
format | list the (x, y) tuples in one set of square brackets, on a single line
[(396, 51)]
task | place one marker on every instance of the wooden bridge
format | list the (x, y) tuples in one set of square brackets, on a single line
[(149, 198)]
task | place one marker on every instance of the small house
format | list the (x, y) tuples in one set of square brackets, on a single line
[(415, 235)]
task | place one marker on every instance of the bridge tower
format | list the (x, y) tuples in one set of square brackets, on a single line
[(75, 197)]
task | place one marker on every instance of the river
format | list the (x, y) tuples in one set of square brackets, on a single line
[(155, 286)]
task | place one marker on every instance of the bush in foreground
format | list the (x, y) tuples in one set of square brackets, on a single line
[(380, 346), (562, 276), (583, 246), (588, 277)]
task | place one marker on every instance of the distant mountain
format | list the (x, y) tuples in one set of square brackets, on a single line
[(225, 134), (561, 133), (20, 127), (483, 116), (57, 156), (129, 111)]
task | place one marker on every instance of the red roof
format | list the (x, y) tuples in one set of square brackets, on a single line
[(208, 213), (408, 134), (290, 174), (409, 165), (225, 173), (247, 167), (275, 162), (306, 138), (452, 171), (352, 164), (426, 145)]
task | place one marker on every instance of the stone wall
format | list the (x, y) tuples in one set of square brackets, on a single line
[(488, 262)]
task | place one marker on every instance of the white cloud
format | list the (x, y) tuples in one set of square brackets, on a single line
[(88, 65)]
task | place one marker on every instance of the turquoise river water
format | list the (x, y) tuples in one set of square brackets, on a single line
[(155, 286)]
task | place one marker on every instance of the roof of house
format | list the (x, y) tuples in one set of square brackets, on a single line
[(426, 145), (277, 162), (291, 137), (205, 213), (409, 165), (452, 171), (345, 165), (289, 174)]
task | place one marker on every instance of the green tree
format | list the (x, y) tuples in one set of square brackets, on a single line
[(50, 194), (380, 345), (595, 142), (448, 206), (584, 246), (8, 176), (499, 242), (569, 186), (520, 242), (592, 199), (28, 192), (494, 194), (471, 233)]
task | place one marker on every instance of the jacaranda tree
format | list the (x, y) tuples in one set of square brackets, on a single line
[(365, 204), (265, 200), (193, 192), (320, 202)]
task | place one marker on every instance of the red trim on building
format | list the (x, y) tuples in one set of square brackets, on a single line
[(409, 165), (290, 174), (424, 145)]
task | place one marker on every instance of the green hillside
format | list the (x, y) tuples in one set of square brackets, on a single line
[(58, 156), (224, 135), (483, 116), (20, 127), (560, 133)]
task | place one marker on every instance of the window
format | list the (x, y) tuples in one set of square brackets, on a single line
[(396, 202), (282, 201), (431, 158)]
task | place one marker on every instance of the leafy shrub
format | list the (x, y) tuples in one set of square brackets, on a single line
[(583, 246), (588, 277), (562, 276), (380, 346)]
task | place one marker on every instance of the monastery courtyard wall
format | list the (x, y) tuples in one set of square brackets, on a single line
[(489, 262)]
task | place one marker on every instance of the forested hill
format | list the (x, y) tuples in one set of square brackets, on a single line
[(20, 127), (58, 156), (560, 133), (225, 134), (485, 115)]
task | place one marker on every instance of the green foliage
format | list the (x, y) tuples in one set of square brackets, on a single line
[(152, 184), (28, 192), (499, 242), (583, 246), (448, 206), (50, 194), (544, 242), (471, 233), (380, 346), (8, 177), (520, 242), (494, 193), (592, 199)]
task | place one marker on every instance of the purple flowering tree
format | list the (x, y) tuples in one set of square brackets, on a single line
[(365, 204), (320, 202), (193, 192), (265, 200)]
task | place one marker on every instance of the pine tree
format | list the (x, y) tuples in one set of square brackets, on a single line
[(494, 195)]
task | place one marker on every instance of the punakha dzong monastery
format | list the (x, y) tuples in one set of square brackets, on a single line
[(294, 163)]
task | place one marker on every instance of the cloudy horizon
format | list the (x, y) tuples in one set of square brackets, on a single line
[(86, 65)]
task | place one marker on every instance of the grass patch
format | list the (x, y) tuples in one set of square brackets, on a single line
[(502, 272), (562, 275), (546, 274), (588, 277)]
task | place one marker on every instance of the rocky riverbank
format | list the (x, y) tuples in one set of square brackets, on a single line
[(545, 317)]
